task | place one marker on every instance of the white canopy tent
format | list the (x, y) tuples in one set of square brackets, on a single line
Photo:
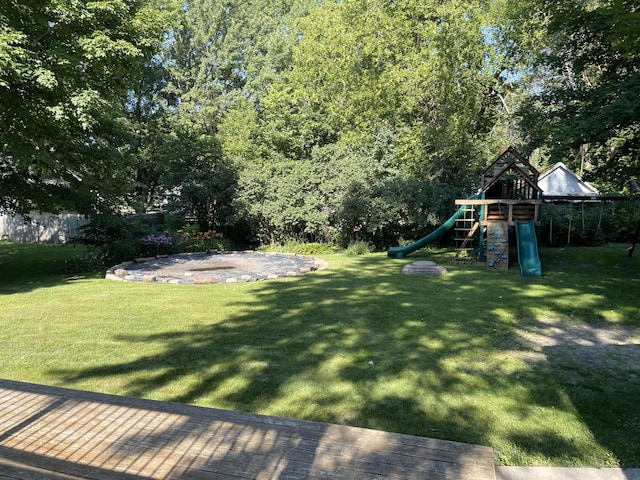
[(561, 181)]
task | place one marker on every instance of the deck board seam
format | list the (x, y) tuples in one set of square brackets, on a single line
[(77, 431)]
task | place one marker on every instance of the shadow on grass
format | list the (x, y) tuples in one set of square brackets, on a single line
[(365, 346), (603, 384), (25, 267)]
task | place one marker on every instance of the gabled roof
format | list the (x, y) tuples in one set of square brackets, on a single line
[(561, 181), (509, 161), (509, 153), (513, 170)]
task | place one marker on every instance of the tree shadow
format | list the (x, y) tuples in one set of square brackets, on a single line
[(368, 347), (61, 433), (603, 383), (28, 267)]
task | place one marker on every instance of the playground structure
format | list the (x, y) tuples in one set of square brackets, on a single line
[(506, 206)]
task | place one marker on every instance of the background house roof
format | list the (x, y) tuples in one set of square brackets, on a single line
[(561, 181)]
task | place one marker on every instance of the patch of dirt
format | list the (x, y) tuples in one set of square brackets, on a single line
[(603, 346), (550, 332)]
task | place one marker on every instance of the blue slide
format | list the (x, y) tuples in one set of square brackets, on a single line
[(401, 252), (528, 257)]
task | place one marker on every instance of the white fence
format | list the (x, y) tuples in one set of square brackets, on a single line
[(41, 228)]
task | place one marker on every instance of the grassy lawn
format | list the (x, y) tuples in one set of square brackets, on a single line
[(475, 356)]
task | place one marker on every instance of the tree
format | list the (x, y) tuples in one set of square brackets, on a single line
[(222, 58), (584, 101), (202, 183), (65, 68), (149, 151), (424, 76), (427, 70)]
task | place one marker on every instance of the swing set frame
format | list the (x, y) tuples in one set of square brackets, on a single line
[(571, 200)]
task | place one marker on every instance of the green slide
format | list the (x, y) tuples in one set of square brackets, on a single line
[(401, 252), (528, 257)]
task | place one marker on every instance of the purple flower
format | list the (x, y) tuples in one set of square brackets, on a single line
[(158, 239)]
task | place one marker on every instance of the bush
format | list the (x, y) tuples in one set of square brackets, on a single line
[(302, 248), (104, 229), (339, 195), (124, 250), (120, 238), (157, 244), (314, 248), (190, 240), (358, 248), (92, 260)]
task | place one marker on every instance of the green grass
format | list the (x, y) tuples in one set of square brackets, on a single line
[(358, 343)]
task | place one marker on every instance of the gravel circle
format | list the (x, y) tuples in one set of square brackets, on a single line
[(214, 267)]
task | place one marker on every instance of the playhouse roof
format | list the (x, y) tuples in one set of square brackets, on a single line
[(561, 181), (509, 162)]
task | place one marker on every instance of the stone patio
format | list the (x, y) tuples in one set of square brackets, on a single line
[(215, 267)]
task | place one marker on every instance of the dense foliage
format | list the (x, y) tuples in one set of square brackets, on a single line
[(65, 68), (585, 106), (357, 120)]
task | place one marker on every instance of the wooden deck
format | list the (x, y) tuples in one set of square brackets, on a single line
[(55, 433)]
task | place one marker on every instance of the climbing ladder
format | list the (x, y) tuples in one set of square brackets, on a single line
[(497, 245), (464, 235)]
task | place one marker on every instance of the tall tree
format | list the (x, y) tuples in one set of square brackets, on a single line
[(223, 56), (65, 68), (408, 92), (424, 69), (149, 151), (586, 91)]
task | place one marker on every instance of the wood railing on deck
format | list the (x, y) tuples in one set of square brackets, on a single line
[(506, 210)]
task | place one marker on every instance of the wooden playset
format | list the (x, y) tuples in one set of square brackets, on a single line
[(508, 201), (506, 206)]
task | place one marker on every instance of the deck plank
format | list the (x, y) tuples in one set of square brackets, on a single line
[(63, 434)]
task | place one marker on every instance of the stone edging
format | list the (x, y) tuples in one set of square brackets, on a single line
[(214, 267)]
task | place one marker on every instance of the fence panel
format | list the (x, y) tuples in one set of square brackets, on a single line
[(41, 228)]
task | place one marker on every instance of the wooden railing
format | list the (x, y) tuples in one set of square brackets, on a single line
[(506, 210)]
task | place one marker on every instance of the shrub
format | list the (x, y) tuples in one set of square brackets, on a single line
[(121, 238), (299, 247), (338, 194), (157, 244), (104, 229), (358, 248), (313, 248), (190, 240), (124, 250), (92, 260)]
